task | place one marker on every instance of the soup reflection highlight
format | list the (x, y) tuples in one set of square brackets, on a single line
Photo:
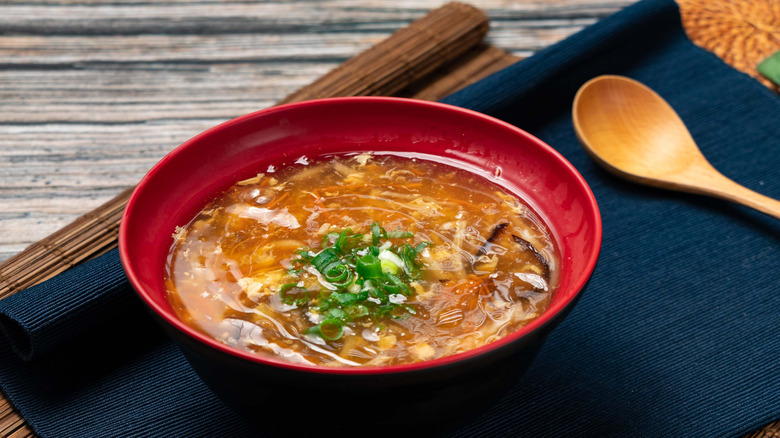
[(363, 260)]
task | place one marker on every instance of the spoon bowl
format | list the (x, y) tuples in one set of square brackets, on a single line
[(634, 133)]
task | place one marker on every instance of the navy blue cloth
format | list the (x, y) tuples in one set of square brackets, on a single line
[(89, 296), (91, 362), (677, 335)]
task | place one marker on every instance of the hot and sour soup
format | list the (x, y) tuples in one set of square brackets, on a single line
[(369, 260)]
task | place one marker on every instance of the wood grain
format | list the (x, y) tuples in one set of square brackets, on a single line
[(412, 53), (634, 133), (93, 92)]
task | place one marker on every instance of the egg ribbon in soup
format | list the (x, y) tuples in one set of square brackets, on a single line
[(367, 260)]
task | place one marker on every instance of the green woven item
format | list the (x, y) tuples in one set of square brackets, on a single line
[(770, 68)]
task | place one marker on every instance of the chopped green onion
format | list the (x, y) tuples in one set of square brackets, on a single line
[(338, 274), (328, 239), (378, 293), (329, 330), (388, 267), (369, 266), (362, 274), (290, 300), (421, 246), (397, 281), (287, 286), (325, 258), (399, 234), (323, 306), (336, 313), (305, 254), (408, 255), (377, 232), (391, 257), (343, 298), (343, 242), (356, 311)]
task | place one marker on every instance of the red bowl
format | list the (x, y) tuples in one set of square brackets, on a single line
[(179, 185)]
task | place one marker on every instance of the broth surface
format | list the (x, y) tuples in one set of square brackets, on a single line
[(463, 262)]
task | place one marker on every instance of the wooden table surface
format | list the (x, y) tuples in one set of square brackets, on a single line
[(94, 92)]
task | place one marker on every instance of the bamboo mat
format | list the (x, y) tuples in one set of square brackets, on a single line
[(431, 58)]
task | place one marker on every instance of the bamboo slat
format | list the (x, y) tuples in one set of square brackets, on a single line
[(409, 55), (11, 424), (771, 430), (89, 235), (481, 61)]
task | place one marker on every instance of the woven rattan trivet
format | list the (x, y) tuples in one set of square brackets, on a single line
[(741, 32)]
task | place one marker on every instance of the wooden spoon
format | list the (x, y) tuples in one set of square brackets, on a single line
[(633, 132)]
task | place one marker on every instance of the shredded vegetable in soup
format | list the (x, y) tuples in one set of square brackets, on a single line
[(369, 260)]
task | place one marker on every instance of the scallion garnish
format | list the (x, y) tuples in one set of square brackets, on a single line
[(329, 330), (399, 234), (293, 295), (369, 266), (368, 279)]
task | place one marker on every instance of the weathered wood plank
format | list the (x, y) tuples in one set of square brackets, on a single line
[(94, 92), (129, 17), (84, 51)]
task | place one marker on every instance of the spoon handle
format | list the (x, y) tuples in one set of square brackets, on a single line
[(725, 188)]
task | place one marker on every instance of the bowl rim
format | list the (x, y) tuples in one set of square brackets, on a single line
[(549, 316)]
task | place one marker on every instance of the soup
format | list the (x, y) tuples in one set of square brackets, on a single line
[(361, 260)]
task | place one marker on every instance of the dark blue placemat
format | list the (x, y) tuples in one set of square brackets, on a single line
[(678, 334)]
